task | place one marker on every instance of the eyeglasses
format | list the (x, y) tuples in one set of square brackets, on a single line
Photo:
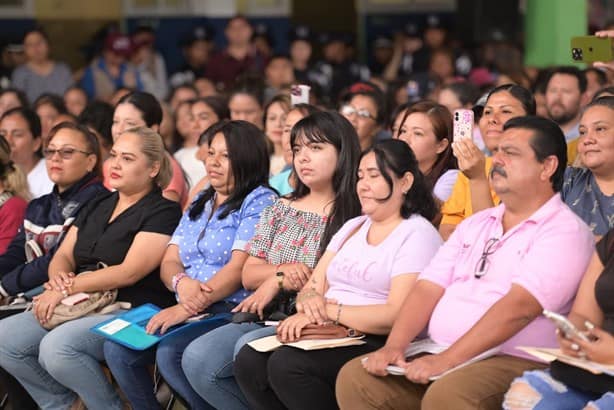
[(65, 153), (348, 110), (481, 268)]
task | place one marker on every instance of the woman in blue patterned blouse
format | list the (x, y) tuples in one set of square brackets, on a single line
[(203, 261)]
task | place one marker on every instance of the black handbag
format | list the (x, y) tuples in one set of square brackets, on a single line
[(282, 306)]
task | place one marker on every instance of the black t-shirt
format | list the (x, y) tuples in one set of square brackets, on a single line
[(101, 241), (604, 287)]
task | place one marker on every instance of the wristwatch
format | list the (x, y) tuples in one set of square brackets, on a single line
[(280, 279)]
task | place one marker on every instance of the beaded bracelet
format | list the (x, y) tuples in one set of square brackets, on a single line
[(177, 278)]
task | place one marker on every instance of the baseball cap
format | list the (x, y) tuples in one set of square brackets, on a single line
[(119, 44)]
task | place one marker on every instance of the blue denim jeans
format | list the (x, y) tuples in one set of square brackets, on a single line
[(208, 363), (130, 367), (551, 394), (54, 365)]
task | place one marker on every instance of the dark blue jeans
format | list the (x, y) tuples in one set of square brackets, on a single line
[(130, 367)]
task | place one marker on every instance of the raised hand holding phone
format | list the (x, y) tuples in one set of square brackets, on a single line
[(608, 64), (589, 49), (463, 125), (471, 160)]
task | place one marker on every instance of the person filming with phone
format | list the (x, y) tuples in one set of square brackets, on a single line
[(496, 273), (472, 192), (593, 314)]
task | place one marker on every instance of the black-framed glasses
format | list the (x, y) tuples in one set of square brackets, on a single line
[(481, 268), (65, 153)]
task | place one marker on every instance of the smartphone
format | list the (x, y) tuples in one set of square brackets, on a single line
[(565, 326), (588, 49), (463, 124), (413, 91), (299, 94), (75, 299)]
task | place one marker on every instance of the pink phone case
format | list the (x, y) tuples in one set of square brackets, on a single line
[(463, 124)]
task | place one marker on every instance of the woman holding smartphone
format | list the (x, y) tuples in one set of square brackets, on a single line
[(471, 192), (565, 386)]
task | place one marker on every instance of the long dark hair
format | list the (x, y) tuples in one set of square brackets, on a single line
[(147, 104), (395, 156), (332, 128), (441, 121), (524, 96), (31, 118), (249, 161)]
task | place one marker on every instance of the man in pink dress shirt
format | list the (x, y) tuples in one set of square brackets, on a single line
[(486, 287)]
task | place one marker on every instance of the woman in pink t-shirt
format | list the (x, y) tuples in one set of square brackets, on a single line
[(360, 282), (14, 196)]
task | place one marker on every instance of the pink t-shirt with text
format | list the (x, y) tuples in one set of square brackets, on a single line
[(361, 274)]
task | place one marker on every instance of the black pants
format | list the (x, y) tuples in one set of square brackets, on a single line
[(18, 397), (294, 378)]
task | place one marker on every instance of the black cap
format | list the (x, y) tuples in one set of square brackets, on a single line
[(411, 29), (333, 36), (197, 33), (300, 32), (382, 41), (434, 21)]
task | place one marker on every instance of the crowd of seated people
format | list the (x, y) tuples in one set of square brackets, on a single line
[(359, 211)]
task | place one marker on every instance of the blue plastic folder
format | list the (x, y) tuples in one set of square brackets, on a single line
[(128, 328)]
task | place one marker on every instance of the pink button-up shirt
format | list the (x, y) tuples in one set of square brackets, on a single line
[(546, 254)]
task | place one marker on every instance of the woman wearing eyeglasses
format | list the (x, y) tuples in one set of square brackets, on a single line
[(363, 106), (73, 164), (203, 261), (128, 231), (22, 129)]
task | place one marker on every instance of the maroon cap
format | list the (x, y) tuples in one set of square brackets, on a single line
[(119, 44)]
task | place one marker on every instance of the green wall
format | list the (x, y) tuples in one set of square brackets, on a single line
[(550, 24)]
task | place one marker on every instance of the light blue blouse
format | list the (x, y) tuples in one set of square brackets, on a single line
[(206, 244)]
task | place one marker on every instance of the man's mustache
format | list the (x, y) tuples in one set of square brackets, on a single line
[(498, 170)]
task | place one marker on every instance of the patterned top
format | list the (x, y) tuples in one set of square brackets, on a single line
[(582, 194), (287, 235), (206, 244)]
